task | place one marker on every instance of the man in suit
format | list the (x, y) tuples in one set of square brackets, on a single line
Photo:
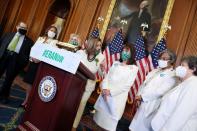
[(139, 17), (14, 56)]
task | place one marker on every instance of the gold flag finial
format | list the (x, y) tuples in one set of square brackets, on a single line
[(99, 20), (166, 28)]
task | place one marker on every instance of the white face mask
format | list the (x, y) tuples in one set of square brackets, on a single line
[(51, 34), (181, 71), (162, 63)]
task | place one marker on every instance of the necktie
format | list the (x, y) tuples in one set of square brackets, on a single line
[(13, 43)]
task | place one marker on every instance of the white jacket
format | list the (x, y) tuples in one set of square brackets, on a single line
[(178, 110), (119, 81), (157, 83)]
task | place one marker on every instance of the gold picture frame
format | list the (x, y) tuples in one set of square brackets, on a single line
[(162, 29)]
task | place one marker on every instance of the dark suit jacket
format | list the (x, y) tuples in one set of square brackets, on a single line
[(135, 24), (23, 56)]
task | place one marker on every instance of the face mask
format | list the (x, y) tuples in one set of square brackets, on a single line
[(97, 52), (181, 71), (51, 34), (22, 31), (74, 42), (125, 55), (162, 63)]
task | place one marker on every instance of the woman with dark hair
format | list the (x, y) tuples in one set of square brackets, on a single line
[(178, 109), (50, 33), (157, 83), (131, 48), (48, 38), (115, 87)]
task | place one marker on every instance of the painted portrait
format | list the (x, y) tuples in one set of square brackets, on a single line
[(136, 12)]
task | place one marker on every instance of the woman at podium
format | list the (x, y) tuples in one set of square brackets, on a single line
[(93, 59), (111, 103), (48, 38)]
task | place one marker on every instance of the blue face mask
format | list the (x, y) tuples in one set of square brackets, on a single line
[(125, 55)]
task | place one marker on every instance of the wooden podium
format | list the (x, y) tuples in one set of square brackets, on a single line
[(59, 113)]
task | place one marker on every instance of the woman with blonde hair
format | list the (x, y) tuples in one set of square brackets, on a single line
[(93, 59)]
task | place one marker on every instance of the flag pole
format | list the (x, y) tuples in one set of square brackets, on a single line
[(99, 20)]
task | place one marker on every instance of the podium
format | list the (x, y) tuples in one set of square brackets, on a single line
[(54, 98), (59, 113)]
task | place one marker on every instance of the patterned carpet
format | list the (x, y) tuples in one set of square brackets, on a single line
[(11, 114)]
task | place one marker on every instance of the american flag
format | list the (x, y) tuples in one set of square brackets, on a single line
[(145, 64), (142, 63), (95, 32), (113, 50), (160, 47)]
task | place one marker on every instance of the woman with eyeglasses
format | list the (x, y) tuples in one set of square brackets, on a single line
[(157, 83), (178, 109)]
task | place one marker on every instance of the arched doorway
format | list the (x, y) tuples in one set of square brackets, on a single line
[(57, 15)]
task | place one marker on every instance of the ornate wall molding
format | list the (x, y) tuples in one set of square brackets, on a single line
[(164, 22)]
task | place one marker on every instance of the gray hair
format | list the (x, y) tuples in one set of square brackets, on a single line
[(171, 54)]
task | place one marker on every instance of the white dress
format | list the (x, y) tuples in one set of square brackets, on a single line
[(157, 83), (49, 41), (178, 110), (90, 85), (119, 81)]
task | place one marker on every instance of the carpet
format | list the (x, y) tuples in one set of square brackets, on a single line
[(10, 114), (88, 124)]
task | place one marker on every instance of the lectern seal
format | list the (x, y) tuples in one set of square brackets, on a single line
[(47, 88)]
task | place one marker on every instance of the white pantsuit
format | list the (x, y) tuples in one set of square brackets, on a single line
[(157, 83), (90, 85), (119, 80), (178, 109)]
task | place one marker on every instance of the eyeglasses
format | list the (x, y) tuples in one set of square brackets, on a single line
[(165, 58)]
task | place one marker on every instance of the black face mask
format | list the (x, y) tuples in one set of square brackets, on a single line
[(22, 31)]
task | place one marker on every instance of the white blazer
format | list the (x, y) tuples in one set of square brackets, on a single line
[(119, 80), (157, 83), (178, 110)]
